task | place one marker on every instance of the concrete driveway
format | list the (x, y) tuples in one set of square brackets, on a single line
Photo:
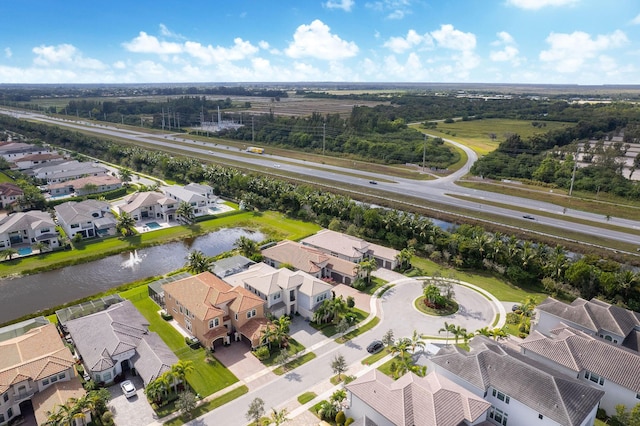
[(132, 411), (238, 358)]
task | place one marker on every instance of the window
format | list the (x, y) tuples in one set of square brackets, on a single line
[(214, 323), (236, 317), (540, 416), (501, 396), (277, 296), (44, 230), (2, 419), (498, 416), (45, 382), (54, 379), (251, 313), (594, 378), (107, 376), (61, 376), (98, 378), (10, 412), (75, 225), (638, 396), (5, 397)]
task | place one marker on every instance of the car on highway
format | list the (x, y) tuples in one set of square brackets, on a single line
[(375, 347), (528, 216), (128, 388), (373, 182)]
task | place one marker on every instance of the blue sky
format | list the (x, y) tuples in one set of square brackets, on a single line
[(476, 41)]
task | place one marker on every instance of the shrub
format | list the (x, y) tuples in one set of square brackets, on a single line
[(165, 316), (349, 421), (601, 414), (360, 284), (513, 318), (351, 302), (262, 353), (340, 418)]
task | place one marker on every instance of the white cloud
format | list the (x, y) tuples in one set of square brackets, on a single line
[(209, 54), (413, 39), (636, 20), (316, 41), (395, 9), (450, 38), (345, 5), (146, 43), (539, 4), (64, 54), (569, 52), (8, 53), (508, 52), (264, 45), (166, 32), (119, 65)]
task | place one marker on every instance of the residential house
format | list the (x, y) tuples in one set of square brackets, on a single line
[(609, 367), (67, 170), (37, 160), (12, 151), (212, 310), (312, 261), (199, 197), (231, 265), (33, 365), (59, 395), (10, 193), (521, 391), (89, 218), (117, 339), (595, 317), (145, 206), (27, 228), (352, 248), (85, 185), (434, 400), (285, 292)]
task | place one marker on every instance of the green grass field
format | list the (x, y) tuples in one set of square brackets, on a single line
[(476, 133)]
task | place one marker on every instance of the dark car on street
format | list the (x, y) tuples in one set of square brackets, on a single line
[(375, 347)]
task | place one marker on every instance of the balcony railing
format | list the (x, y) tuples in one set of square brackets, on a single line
[(23, 395)]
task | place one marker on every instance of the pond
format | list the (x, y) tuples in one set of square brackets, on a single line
[(32, 293)]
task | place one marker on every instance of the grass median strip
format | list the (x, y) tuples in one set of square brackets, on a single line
[(210, 406), (303, 359)]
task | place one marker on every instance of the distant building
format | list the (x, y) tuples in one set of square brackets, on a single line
[(10, 194)]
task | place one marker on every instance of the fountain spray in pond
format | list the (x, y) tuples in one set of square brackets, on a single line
[(134, 259)]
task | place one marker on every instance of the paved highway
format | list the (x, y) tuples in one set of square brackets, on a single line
[(442, 190)]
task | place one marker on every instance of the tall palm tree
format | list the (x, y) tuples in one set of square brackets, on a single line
[(154, 391), (338, 308), (484, 331), (185, 211), (417, 342), (180, 370), (126, 223), (198, 262), (8, 253), (247, 246), (281, 332), (367, 266), (458, 332), (448, 328)]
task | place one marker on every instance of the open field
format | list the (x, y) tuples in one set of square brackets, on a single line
[(476, 133)]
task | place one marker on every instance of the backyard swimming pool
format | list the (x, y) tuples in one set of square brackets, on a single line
[(153, 225), (24, 251)]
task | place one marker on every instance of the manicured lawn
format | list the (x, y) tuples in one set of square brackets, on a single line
[(330, 328), (419, 304), (294, 364), (376, 283), (358, 331), (211, 405), (206, 378), (294, 347), (306, 397), (386, 367), (4, 178), (501, 289), (272, 224), (375, 357)]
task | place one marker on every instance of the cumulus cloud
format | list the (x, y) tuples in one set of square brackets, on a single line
[(448, 37), (316, 41), (412, 40), (64, 54), (569, 52), (166, 32), (539, 4), (146, 43), (636, 20), (508, 52), (209, 54), (345, 5), (119, 65), (8, 53)]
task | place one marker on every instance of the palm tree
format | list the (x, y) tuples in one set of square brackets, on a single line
[(337, 308), (8, 253), (484, 331), (126, 223), (279, 417), (247, 246), (458, 331), (498, 333), (40, 246), (125, 175), (449, 329), (281, 331), (404, 257), (185, 211), (154, 391), (417, 342), (180, 370), (401, 347), (367, 266), (198, 262)]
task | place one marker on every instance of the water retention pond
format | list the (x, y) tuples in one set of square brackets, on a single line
[(25, 295)]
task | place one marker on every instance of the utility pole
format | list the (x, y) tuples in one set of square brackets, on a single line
[(573, 175), (324, 134), (252, 130)]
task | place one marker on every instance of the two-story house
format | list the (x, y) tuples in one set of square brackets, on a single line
[(37, 160), (603, 364), (312, 261), (89, 218), (352, 248), (12, 151), (285, 292), (117, 339), (595, 317), (32, 366), (27, 228), (213, 311), (10, 194), (85, 185), (521, 390), (376, 399), (145, 206)]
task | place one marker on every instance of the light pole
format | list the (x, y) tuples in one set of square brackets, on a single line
[(424, 151), (573, 175), (324, 134)]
